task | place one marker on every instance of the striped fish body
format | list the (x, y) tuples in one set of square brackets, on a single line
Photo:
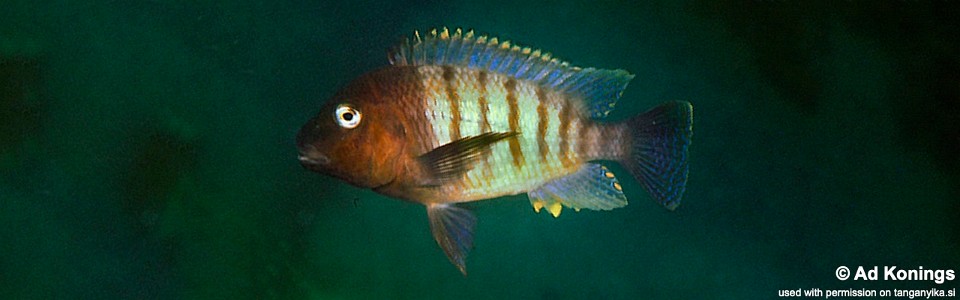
[(553, 139), (459, 118)]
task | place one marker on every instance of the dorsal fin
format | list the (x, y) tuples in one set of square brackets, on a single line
[(599, 88)]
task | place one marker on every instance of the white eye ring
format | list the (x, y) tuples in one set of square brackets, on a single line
[(347, 117)]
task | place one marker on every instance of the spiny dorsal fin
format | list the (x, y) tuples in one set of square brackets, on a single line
[(599, 88), (465, 49)]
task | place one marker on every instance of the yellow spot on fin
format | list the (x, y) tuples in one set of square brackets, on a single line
[(537, 205), (592, 187), (555, 209)]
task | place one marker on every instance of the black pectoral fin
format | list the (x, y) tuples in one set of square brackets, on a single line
[(452, 227), (456, 158)]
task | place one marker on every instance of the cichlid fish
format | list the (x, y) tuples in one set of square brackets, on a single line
[(458, 118)]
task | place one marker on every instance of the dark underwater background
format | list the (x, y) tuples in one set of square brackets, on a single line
[(147, 151)]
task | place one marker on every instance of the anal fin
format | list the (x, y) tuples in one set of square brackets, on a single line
[(592, 187), (452, 228)]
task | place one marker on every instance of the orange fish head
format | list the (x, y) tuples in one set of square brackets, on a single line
[(355, 137)]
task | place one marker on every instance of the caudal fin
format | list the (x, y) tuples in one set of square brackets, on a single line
[(658, 156)]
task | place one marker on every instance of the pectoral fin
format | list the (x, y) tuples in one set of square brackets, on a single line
[(592, 187), (452, 227), (453, 159)]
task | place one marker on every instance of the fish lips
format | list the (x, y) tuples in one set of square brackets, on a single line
[(312, 159)]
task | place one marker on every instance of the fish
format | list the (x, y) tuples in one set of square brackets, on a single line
[(459, 117)]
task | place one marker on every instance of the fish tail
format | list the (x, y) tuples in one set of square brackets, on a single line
[(657, 154)]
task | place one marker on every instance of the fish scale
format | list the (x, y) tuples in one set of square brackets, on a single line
[(498, 174)]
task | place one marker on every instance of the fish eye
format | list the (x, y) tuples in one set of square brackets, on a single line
[(347, 116)]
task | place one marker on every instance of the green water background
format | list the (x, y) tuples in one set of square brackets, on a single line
[(147, 151)]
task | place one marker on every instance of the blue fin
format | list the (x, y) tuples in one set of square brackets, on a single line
[(452, 228), (592, 187), (598, 88), (658, 157)]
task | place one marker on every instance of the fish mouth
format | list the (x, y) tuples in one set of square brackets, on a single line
[(312, 159), (318, 159)]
